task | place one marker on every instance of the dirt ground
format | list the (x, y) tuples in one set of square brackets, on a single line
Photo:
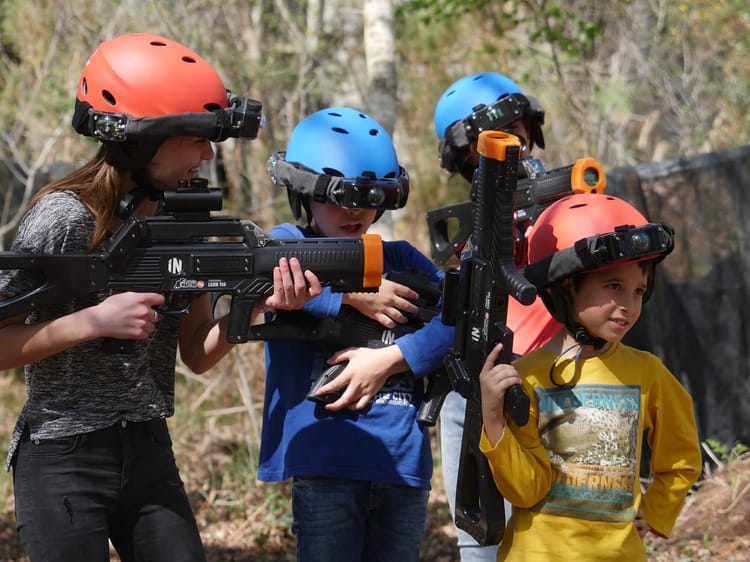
[(714, 526), (246, 521)]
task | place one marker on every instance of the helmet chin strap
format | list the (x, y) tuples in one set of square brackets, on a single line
[(583, 337), (576, 329), (133, 198), (135, 159)]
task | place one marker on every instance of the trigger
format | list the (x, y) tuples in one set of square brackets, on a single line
[(176, 305)]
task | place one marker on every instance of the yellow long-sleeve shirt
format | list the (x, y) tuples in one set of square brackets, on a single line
[(572, 472)]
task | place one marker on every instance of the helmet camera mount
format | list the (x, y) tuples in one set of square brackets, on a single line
[(363, 192)]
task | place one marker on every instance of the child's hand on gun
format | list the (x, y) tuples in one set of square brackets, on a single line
[(494, 381), (292, 287), (388, 306)]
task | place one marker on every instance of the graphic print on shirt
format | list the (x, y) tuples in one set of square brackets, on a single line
[(590, 432), (398, 390)]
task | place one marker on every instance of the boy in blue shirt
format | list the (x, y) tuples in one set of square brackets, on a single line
[(361, 465)]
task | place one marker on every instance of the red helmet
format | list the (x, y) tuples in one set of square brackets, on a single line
[(589, 231), (145, 75), (137, 90), (562, 224)]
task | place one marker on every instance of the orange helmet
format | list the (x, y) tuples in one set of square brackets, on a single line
[(146, 88), (589, 231), (145, 75)]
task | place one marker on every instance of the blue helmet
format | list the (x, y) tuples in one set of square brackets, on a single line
[(345, 142), (476, 103), (342, 156), (461, 97)]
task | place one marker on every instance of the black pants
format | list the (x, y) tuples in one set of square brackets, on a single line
[(120, 483)]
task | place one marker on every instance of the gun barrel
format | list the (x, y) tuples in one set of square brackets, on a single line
[(344, 264)]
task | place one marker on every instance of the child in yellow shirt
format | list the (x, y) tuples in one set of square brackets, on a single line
[(571, 473)]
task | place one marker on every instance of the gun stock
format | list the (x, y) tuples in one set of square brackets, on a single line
[(188, 253), (450, 226), (478, 296)]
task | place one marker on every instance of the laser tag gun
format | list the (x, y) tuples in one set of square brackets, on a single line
[(350, 328), (186, 252), (475, 300), (533, 194)]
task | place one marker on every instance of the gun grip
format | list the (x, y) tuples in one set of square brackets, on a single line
[(327, 376), (438, 387), (238, 323), (517, 405)]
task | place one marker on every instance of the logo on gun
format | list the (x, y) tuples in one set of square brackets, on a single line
[(388, 337), (476, 334), (187, 284), (174, 266)]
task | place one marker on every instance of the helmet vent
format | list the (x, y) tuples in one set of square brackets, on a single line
[(340, 130), (374, 132), (188, 59), (332, 172), (84, 87), (108, 97), (158, 44)]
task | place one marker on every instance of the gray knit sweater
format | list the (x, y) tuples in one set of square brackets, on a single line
[(83, 389)]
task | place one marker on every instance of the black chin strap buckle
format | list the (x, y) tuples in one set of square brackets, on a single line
[(130, 201), (582, 336)]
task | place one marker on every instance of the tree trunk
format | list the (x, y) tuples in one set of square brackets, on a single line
[(380, 60)]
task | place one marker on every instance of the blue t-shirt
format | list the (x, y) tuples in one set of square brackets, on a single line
[(382, 443)]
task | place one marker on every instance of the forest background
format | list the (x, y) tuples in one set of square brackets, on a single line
[(625, 81)]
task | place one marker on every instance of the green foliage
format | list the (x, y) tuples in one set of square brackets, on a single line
[(547, 23), (725, 452), (431, 11), (729, 455), (573, 34)]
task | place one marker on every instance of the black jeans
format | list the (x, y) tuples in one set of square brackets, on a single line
[(120, 483)]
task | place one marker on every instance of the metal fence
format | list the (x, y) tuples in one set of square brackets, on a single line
[(698, 321)]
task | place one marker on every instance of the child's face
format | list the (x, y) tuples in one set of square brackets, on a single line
[(178, 158), (335, 221), (608, 302), (517, 127)]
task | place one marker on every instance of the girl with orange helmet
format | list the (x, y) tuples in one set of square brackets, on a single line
[(91, 453), (572, 472)]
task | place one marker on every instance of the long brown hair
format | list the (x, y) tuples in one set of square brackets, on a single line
[(99, 186)]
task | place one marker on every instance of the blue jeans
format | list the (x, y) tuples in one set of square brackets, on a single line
[(120, 483), (451, 435), (354, 520)]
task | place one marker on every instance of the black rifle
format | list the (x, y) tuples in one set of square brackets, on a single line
[(475, 300), (450, 226), (186, 251), (353, 329)]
